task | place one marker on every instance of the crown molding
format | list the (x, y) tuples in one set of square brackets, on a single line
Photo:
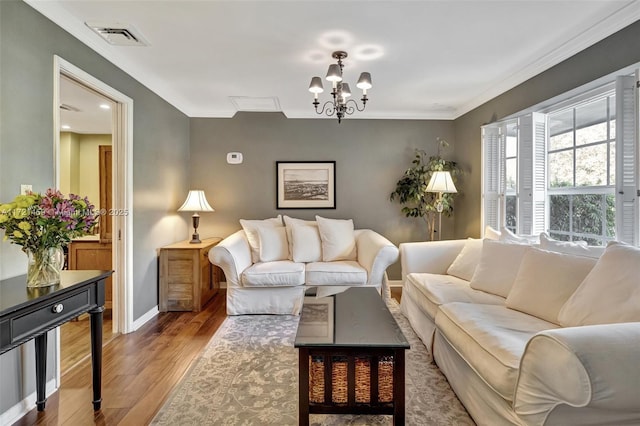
[(55, 12), (607, 26)]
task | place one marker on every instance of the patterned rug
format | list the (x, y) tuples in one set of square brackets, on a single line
[(248, 375)]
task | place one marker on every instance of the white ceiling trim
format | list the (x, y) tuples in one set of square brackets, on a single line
[(600, 30), (604, 28)]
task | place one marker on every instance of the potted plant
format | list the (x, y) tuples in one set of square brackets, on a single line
[(411, 189)]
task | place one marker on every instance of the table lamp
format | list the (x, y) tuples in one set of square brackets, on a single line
[(441, 183), (196, 202)]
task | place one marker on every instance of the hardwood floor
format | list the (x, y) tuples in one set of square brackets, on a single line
[(75, 340), (139, 370)]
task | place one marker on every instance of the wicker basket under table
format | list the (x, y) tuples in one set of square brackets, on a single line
[(355, 381)]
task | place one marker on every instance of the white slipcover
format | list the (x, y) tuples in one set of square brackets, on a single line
[(280, 273), (343, 272)]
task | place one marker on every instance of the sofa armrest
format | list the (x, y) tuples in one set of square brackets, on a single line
[(375, 254), (233, 255), (433, 257), (591, 366)]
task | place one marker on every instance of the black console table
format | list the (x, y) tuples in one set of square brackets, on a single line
[(27, 314)]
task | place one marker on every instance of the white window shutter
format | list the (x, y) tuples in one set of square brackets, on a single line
[(627, 217), (532, 179), (491, 171)]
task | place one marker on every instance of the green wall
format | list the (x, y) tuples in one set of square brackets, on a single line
[(28, 43), (370, 155)]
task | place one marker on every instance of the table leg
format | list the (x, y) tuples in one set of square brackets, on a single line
[(303, 385), (96, 355), (398, 388), (41, 371)]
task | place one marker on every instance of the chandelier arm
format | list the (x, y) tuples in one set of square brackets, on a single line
[(355, 106), (327, 108)]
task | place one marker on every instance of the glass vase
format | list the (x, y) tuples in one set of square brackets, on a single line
[(44, 267)]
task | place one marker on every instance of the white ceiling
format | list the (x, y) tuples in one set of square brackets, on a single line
[(428, 59), (85, 115)]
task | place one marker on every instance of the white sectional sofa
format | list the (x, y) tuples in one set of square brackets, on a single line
[(269, 266), (527, 336)]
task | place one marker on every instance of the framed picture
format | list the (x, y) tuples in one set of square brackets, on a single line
[(306, 184), (317, 321)]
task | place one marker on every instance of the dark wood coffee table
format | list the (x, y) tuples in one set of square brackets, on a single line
[(351, 356)]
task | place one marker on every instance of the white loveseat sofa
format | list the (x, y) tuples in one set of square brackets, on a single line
[(544, 338), (269, 267)]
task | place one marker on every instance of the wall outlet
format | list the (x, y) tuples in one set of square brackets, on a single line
[(25, 189)]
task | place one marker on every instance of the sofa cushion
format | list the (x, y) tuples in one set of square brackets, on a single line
[(464, 265), (250, 228), (545, 281), (491, 339), (611, 291), (509, 237), (579, 248), (338, 239), (498, 267), (273, 243), (432, 290), (335, 273), (282, 273)]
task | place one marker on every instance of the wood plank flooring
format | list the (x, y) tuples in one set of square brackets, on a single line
[(139, 370), (75, 340)]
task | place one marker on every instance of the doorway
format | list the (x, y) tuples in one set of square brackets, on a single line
[(113, 193)]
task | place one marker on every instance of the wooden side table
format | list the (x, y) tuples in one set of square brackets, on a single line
[(188, 280)]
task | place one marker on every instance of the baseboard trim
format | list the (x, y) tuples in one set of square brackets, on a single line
[(16, 412), (145, 317)]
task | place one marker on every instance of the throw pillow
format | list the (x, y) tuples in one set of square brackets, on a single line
[(338, 239), (545, 281), (610, 293), (251, 231), (290, 222), (491, 234), (465, 264), (579, 248), (498, 267), (508, 236), (273, 243), (306, 243)]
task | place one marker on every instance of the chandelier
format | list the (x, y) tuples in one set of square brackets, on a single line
[(340, 105)]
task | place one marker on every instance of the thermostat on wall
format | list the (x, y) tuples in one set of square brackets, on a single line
[(234, 157)]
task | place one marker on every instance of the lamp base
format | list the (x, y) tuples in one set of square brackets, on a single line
[(195, 238)]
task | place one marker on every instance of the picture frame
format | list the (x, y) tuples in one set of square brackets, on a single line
[(306, 184)]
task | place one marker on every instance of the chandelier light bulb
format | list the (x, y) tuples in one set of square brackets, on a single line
[(316, 86), (334, 73), (364, 82), (346, 91)]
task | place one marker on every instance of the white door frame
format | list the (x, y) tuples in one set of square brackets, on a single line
[(122, 217)]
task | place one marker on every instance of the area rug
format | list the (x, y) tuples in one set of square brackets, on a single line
[(248, 375)]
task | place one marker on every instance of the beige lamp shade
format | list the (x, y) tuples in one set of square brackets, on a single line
[(196, 202), (441, 182)]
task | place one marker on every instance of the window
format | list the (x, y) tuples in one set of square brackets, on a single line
[(572, 171), (511, 176), (581, 171)]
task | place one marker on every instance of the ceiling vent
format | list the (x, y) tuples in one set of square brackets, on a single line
[(118, 34), (68, 107), (248, 103)]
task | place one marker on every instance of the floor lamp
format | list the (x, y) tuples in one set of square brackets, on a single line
[(195, 202), (441, 183)]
